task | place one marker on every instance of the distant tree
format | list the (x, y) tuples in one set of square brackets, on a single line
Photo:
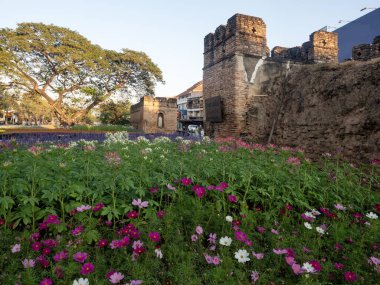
[(69, 72), (115, 113)]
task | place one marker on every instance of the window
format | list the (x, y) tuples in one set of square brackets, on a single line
[(160, 120)]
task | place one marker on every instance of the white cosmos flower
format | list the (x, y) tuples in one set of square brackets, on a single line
[(242, 256), (315, 212), (372, 215), (308, 225), (308, 267), (320, 230), (309, 214), (229, 219), (158, 253), (81, 281), (225, 241)]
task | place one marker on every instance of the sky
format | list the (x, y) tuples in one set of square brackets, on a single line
[(171, 32)]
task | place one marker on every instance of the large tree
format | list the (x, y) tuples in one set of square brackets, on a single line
[(69, 72)]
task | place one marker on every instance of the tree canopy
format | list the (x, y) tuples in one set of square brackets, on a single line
[(69, 72)]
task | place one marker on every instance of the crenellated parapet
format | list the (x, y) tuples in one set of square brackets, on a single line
[(365, 52), (242, 34), (322, 47)]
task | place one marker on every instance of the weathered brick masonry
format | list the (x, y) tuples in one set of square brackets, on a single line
[(288, 96)]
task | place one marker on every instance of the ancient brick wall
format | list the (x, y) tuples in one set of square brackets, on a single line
[(330, 107), (316, 106), (155, 115), (365, 52)]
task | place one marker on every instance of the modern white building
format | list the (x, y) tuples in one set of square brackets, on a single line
[(190, 106)]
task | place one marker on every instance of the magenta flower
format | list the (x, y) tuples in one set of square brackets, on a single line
[(77, 231), (35, 236), (28, 263), (43, 261), (338, 265), (154, 236), (199, 230), (36, 246), (160, 214), (116, 277), (46, 281), (232, 198), (80, 257), (98, 207), (223, 185), (139, 250), (46, 251), (216, 260), (240, 236), (87, 268), (52, 219), (350, 276), (289, 260), (317, 266), (132, 215), (260, 229), (186, 181), (61, 256), (273, 231), (51, 243), (200, 191), (139, 203), (102, 243)]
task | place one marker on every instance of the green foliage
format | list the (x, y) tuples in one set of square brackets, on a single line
[(68, 71), (58, 180), (115, 113)]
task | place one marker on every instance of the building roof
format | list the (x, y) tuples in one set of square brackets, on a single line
[(197, 87)]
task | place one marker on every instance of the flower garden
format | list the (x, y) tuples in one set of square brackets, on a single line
[(176, 211)]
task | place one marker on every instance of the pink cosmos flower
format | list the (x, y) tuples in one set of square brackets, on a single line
[(50, 243), (208, 259), (212, 238), (258, 255), (374, 260), (170, 187), (35, 236), (249, 242), (194, 238), (135, 282), (80, 257), (273, 231), (154, 236), (340, 207), (260, 229), (116, 277), (350, 276), (254, 276), (297, 269), (137, 243), (216, 260), (289, 260), (223, 185), (294, 161), (46, 281), (210, 187), (16, 248), (139, 203), (199, 230), (186, 181), (28, 263), (280, 251), (83, 208), (232, 198), (87, 268), (338, 266)]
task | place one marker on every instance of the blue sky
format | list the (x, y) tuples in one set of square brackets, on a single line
[(171, 32)]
